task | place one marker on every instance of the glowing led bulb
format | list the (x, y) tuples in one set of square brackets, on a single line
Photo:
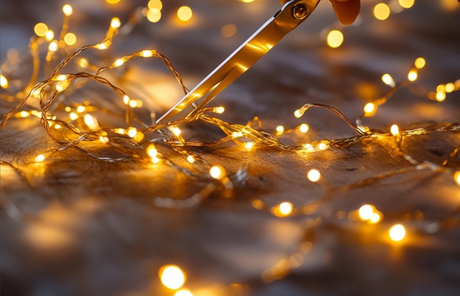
[(375, 218), (217, 172), (155, 4), (450, 87), (40, 29), (81, 109), (73, 116), (183, 292), (365, 212), (249, 145), (184, 13), (104, 140), (113, 1), (53, 46), (457, 177), (3, 81), (115, 23), (440, 96), (147, 53), (285, 208), (406, 3), (176, 131), (101, 46), (304, 128), (369, 108), (40, 158), (67, 9), (247, 1), (154, 15), (91, 122), (314, 175), (132, 132), (394, 130), (279, 129), (172, 277), (219, 110), (49, 35), (388, 80), (191, 159), (152, 151), (298, 113), (70, 39), (381, 11), (420, 63), (126, 100), (397, 232), (412, 76), (118, 63), (334, 38)]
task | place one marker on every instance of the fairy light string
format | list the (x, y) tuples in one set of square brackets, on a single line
[(70, 125)]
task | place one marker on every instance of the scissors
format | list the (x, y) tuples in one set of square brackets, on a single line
[(292, 14)]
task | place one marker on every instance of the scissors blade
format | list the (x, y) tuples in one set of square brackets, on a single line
[(265, 38)]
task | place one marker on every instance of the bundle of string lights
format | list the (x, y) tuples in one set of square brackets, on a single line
[(73, 93)]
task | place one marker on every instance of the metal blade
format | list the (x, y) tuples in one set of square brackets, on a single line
[(284, 21)]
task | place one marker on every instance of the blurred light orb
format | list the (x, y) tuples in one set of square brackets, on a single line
[(40, 29), (172, 277), (457, 177), (314, 175), (285, 208), (335, 38), (397, 232), (155, 4), (183, 292), (184, 13), (420, 63), (228, 31), (406, 3), (113, 1), (70, 39), (365, 212), (381, 11), (154, 15)]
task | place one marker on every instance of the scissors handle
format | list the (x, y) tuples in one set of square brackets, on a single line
[(292, 14)]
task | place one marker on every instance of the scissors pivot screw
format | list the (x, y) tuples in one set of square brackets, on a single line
[(300, 11)]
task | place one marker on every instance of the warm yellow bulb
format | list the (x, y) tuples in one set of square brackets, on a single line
[(53, 46), (40, 29), (375, 218), (334, 38), (132, 132), (365, 212), (104, 140), (388, 80), (113, 1), (440, 96), (40, 158), (154, 15), (176, 131), (369, 108), (172, 277), (217, 172), (394, 130), (152, 150), (450, 87), (183, 292), (3, 81), (118, 63), (101, 46), (191, 159), (147, 53), (285, 208), (420, 63), (304, 128), (314, 175), (457, 177), (412, 76), (406, 3), (279, 129), (81, 109), (249, 145), (397, 232), (155, 4), (73, 116), (49, 35), (91, 122), (126, 100), (381, 11), (247, 1), (184, 13), (67, 9), (70, 39), (115, 23)]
